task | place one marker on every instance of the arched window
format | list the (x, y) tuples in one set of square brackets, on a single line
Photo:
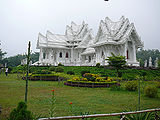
[(89, 59), (44, 55), (66, 54), (102, 54), (60, 54)]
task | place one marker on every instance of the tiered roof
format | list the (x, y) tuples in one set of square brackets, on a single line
[(78, 36), (116, 32)]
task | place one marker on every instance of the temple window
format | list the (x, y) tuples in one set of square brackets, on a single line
[(44, 55), (66, 54), (102, 54), (127, 55), (60, 54), (89, 59)]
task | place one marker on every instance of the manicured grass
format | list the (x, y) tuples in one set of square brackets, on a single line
[(93, 100)]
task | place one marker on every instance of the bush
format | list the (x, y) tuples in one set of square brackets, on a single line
[(83, 72), (131, 85), (21, 113), (70, 73), (98, 65), (151, 91), (76, 78), (59, 69), (59, 64), (119, 74), (52, 68), (158, 84)]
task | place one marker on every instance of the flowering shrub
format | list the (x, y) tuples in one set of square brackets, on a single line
[(90, 76), (109, 79), (83, 72), (84, 79), (76, 78), (99, 79)]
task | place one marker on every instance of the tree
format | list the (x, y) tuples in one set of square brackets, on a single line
[(21, 112), (1, 56), (143, 55), (159, 64), (16, 60), (117, 62)]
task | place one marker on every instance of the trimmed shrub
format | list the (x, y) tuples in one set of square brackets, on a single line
[(59, 69), (98, 65), (83, 72), (131, 85), (52, 68), (70, 73), (151, 91), (21, 113)]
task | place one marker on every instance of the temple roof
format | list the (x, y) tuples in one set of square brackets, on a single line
[(80, 36), (116, 32), (76, 35)]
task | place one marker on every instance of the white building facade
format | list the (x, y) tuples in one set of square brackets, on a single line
[(79, 47)]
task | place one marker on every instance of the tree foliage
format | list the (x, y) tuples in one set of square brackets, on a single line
[(143, 55), (21, 113), (117, 62), (16, 60), (1, 56)]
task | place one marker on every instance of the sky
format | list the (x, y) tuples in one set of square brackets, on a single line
[(22, 20)]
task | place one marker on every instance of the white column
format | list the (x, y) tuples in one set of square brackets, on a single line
[(125, 50), (49, 56), (72, 58), (134, 53), (40, 55)]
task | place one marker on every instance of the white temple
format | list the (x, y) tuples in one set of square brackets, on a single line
[(79, 47)]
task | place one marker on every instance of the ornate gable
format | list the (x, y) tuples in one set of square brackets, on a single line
[(87, 40), (76, 32), (115, 32)]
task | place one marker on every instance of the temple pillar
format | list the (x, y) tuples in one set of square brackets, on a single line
[(134, 52), (72, 58), (40, 55)]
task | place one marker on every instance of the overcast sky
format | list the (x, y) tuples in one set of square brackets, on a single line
[(22, 20)]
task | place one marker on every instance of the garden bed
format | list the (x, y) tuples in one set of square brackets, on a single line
[(91, 85)]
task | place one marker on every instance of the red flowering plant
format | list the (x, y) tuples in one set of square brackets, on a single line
[(71, 108), (70, 103), (53, 100)]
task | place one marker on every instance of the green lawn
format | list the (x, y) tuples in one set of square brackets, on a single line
[(93, 100)]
